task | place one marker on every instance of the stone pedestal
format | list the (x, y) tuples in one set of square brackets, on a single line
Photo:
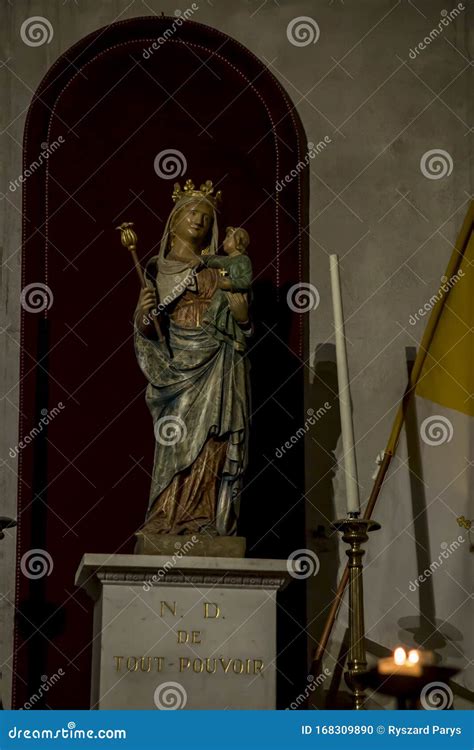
[(183, 632)]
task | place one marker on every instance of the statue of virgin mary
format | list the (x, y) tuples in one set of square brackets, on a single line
[(198, 387)]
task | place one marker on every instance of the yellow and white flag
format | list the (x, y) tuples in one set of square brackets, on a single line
[(419, 574)]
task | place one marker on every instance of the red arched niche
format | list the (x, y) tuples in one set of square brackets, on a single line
[(104, 111)]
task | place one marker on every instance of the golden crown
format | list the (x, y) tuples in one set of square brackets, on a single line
[(189, 191)]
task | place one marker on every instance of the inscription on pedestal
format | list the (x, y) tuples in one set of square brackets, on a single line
[(181, 644), (196, 665)]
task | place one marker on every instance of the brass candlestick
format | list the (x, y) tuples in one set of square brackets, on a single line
[(355, 533), (129, 240)]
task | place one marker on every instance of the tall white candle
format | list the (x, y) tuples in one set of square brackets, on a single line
[(347, 427)]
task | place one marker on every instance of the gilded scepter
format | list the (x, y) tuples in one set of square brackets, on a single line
[(129, 240)]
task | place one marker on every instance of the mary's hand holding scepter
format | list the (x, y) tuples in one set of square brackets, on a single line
[(129, 240)]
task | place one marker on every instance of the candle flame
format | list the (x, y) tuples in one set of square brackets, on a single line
[(413, 657), (399, 656)]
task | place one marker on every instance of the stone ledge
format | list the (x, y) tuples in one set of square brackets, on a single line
[(96, 570)]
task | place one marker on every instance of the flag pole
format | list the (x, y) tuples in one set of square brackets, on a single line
[(453, 266)]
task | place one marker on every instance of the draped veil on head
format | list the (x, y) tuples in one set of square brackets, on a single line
[(174, 276)]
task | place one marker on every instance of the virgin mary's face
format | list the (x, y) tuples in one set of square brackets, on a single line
[(193, 222)]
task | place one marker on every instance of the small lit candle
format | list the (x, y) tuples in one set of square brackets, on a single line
[(399, 656), (413, 657), (404, 663)]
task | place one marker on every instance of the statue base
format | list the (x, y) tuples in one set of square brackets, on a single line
[(183, 632), (197, 545)]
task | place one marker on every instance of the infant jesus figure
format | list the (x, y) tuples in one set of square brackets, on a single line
[(235, 269)]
